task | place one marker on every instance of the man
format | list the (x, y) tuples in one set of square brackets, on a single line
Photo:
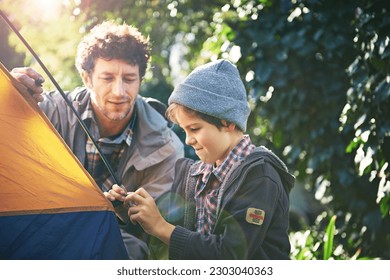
[(134, 137)]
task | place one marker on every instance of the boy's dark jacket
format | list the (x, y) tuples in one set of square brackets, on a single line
[(261, 182)]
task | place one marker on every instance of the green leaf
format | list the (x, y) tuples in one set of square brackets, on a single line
[(329, 235)]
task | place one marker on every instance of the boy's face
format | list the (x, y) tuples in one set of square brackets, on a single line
[(211, 144), (114, 86)]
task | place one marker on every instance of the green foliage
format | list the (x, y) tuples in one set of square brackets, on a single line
[(54, 41), (294, 59), (367, 111), (317, 244)]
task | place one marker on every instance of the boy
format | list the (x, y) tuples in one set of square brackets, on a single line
[(231, 204)]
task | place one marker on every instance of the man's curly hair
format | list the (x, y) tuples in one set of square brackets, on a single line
[(110, 40)]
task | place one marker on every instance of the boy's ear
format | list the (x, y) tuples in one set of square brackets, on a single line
[(228, 125), (231, 126)]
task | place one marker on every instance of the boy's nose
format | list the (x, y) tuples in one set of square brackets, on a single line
[(190, 140)]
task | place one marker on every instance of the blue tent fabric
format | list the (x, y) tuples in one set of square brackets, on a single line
[(61, 236)]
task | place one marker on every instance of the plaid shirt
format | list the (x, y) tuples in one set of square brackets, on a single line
[(112, 148), (209, 183)]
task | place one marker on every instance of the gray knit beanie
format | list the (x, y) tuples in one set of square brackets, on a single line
[(214, 89)]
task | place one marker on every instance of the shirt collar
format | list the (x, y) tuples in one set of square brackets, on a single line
[(240, 151), (202, 168), (88, 116)]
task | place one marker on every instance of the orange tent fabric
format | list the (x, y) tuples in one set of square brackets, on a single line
[(37, 169)]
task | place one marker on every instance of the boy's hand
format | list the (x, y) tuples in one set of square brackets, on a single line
[(144, 211)]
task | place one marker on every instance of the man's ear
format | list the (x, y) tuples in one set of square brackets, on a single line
[(86, 79)]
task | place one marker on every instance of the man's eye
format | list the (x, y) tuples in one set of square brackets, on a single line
[(129, 80)]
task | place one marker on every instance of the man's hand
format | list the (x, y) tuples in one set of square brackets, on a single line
[(31, 80), (116, 193)]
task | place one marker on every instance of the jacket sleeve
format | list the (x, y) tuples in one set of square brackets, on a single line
[(50, 107), (236, 236)]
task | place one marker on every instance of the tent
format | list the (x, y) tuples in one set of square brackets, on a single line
[(50, 207)]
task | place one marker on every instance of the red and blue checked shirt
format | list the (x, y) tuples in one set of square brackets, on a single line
[(111, 147), (209, 183)]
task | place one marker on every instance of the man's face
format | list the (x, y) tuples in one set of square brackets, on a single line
[(114, 86)]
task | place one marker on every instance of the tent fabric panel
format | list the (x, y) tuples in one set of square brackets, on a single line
[(37, 168), (65, 236)]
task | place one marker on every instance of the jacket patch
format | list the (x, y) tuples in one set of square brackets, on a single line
[(255, 216)]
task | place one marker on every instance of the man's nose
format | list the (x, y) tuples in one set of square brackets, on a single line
[(118, 88)]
